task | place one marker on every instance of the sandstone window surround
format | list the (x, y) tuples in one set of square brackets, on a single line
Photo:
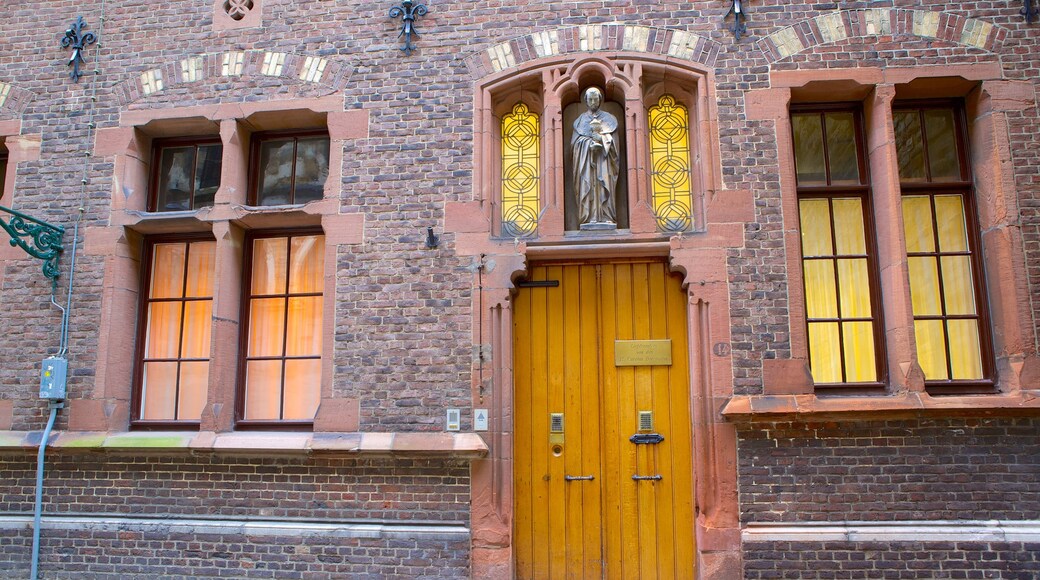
[(987, 100), (524, 185), (232, 223)]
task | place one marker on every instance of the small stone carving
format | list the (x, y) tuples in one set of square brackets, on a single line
[(595, 163)]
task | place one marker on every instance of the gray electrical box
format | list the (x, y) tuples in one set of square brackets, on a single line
[(53, 373)]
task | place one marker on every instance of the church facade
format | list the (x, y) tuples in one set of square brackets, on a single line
[(520, 289)]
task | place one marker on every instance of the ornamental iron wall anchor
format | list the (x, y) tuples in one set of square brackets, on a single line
[(1030, 11), (739, 18), (78, 41), (408, 11), (46, 239)]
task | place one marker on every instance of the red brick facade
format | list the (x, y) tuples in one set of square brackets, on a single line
[(377, 486)]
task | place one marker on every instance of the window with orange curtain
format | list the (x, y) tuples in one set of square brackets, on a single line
[(282, 341), (941, 243), (174, 345), (841, 302)]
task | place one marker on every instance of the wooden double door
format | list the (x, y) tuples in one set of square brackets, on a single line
[(603, 479)]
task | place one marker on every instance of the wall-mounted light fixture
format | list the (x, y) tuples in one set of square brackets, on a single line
[(739, 18), (38, 238), (408, 11)]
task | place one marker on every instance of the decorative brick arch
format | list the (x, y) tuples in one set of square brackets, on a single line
[(592, 38), (842, 25), (243, 64), (13, 100)]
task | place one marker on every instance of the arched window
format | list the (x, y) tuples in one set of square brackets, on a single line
[(670, 165), (520, 172)]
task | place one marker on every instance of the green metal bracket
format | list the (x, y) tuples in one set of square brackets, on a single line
[(46, 239)]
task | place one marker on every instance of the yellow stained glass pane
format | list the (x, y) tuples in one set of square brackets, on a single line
[(924, 286), (931, 348), (670, 164), (957, 285), (909, 145), (520, 171), (943, 161), (965, 354), (848, 226), (860, 364), (194, 378), (842, 148), (821, 299), (167, 271), (815, 215), (269, 255), (949, 215), (200, 269), (855, 288), (917, 223), (824, 352), (808, 149)]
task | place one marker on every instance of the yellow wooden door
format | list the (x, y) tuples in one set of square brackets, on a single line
[(592, 501)]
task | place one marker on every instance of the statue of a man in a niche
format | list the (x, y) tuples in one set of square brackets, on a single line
[(595, 163)]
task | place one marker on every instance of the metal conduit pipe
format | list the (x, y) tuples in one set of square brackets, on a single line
[(38, 508)]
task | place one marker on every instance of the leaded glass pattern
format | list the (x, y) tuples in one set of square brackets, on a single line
[(520, 172), (670, 165)]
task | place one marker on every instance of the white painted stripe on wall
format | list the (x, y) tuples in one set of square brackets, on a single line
[(906, 531), (107, 523)]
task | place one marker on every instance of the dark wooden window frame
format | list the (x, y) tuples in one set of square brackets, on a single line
[(157, 149), (136, 398), (862, 191), (243, 347), (259, 139), (965, 188)]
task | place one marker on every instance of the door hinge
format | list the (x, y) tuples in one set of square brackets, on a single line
[(538, 284)]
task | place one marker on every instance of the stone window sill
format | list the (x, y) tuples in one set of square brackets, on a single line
[(456, 445), (744, 409)]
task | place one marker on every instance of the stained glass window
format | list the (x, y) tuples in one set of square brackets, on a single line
[(670, 165), (520, 172)]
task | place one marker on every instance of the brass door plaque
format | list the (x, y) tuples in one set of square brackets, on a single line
[(637, 353)]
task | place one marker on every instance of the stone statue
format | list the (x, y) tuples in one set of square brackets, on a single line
[(595, 163)]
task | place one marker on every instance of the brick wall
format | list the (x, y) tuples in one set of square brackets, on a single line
[(891, 561), (329, 489), (122, 554), (280, 490), (403, 316), (943, 469)]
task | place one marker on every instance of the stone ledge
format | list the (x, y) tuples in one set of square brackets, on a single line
[(242, 527), (752, 408), (460, 445), (906, 531)]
